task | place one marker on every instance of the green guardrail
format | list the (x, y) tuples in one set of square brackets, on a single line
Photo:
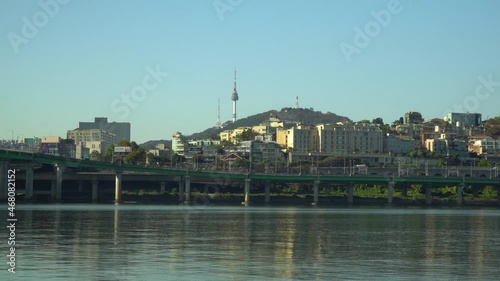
[(74, 163)]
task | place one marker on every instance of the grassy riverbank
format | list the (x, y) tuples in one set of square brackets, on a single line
[(362, 195)]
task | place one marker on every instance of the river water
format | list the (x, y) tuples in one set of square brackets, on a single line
[(144, 242)]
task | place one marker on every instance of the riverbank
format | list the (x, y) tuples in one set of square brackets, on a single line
[(202, 199)]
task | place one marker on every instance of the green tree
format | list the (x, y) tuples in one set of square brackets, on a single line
[(440, 162), (95, 155), (483, 163), (109, 153), (176, 158), (225, 143), (378, 121), (241, 163), (247, 134), (365, 121), (492, 127), (123, 143), (136, 156), (413, 154), (420, 153)]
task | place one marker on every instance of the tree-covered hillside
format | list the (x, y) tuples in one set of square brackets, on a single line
[(287, 114)]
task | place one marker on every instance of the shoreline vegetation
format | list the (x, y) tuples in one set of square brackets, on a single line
[(328, 196)]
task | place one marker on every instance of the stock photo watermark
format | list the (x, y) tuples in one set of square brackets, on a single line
[(11, 220), (223, 6), (31, 26), (150, 82), (483, 91), (363, 36)]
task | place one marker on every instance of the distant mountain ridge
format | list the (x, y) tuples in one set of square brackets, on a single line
[(287, 114)]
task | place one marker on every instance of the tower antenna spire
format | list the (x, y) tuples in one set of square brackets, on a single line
[(297, 102), (234, 97)]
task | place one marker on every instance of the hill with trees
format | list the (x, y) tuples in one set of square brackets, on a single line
[(492, 127), (288, 115)]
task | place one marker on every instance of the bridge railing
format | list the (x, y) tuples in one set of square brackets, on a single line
[(306, 169)]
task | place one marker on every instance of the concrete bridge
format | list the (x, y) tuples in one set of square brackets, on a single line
[(24, 165)]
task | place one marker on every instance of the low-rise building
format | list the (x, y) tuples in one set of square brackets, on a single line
[(161, 151), (464, 119), (93, 139), (54, 145), (393, 144), (230, 135), (486, 145), (82, 152), (257, 151), (447, 146)]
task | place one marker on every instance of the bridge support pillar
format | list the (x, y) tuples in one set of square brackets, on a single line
[(29, 184), (390, 189), (118, 187), (80, 186), (247, 191), (316, 192), (95, 184), (53, 190), (428, 195), (163, 186), (4, 183), (181, 190), (187, 189), (404, 190), (475, 191), (350, 193), (267, 196), (59, 179), (460, 189)]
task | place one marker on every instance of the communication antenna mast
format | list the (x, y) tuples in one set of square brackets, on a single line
[(218, 125), (297, 102)]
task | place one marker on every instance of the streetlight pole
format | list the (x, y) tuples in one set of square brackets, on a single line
[(312, 163)]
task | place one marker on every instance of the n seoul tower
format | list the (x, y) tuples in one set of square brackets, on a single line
[(234, 97)]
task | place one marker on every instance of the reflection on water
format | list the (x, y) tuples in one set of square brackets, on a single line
[(126, 242)]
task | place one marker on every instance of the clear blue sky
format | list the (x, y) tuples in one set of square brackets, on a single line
[(87, 54)]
